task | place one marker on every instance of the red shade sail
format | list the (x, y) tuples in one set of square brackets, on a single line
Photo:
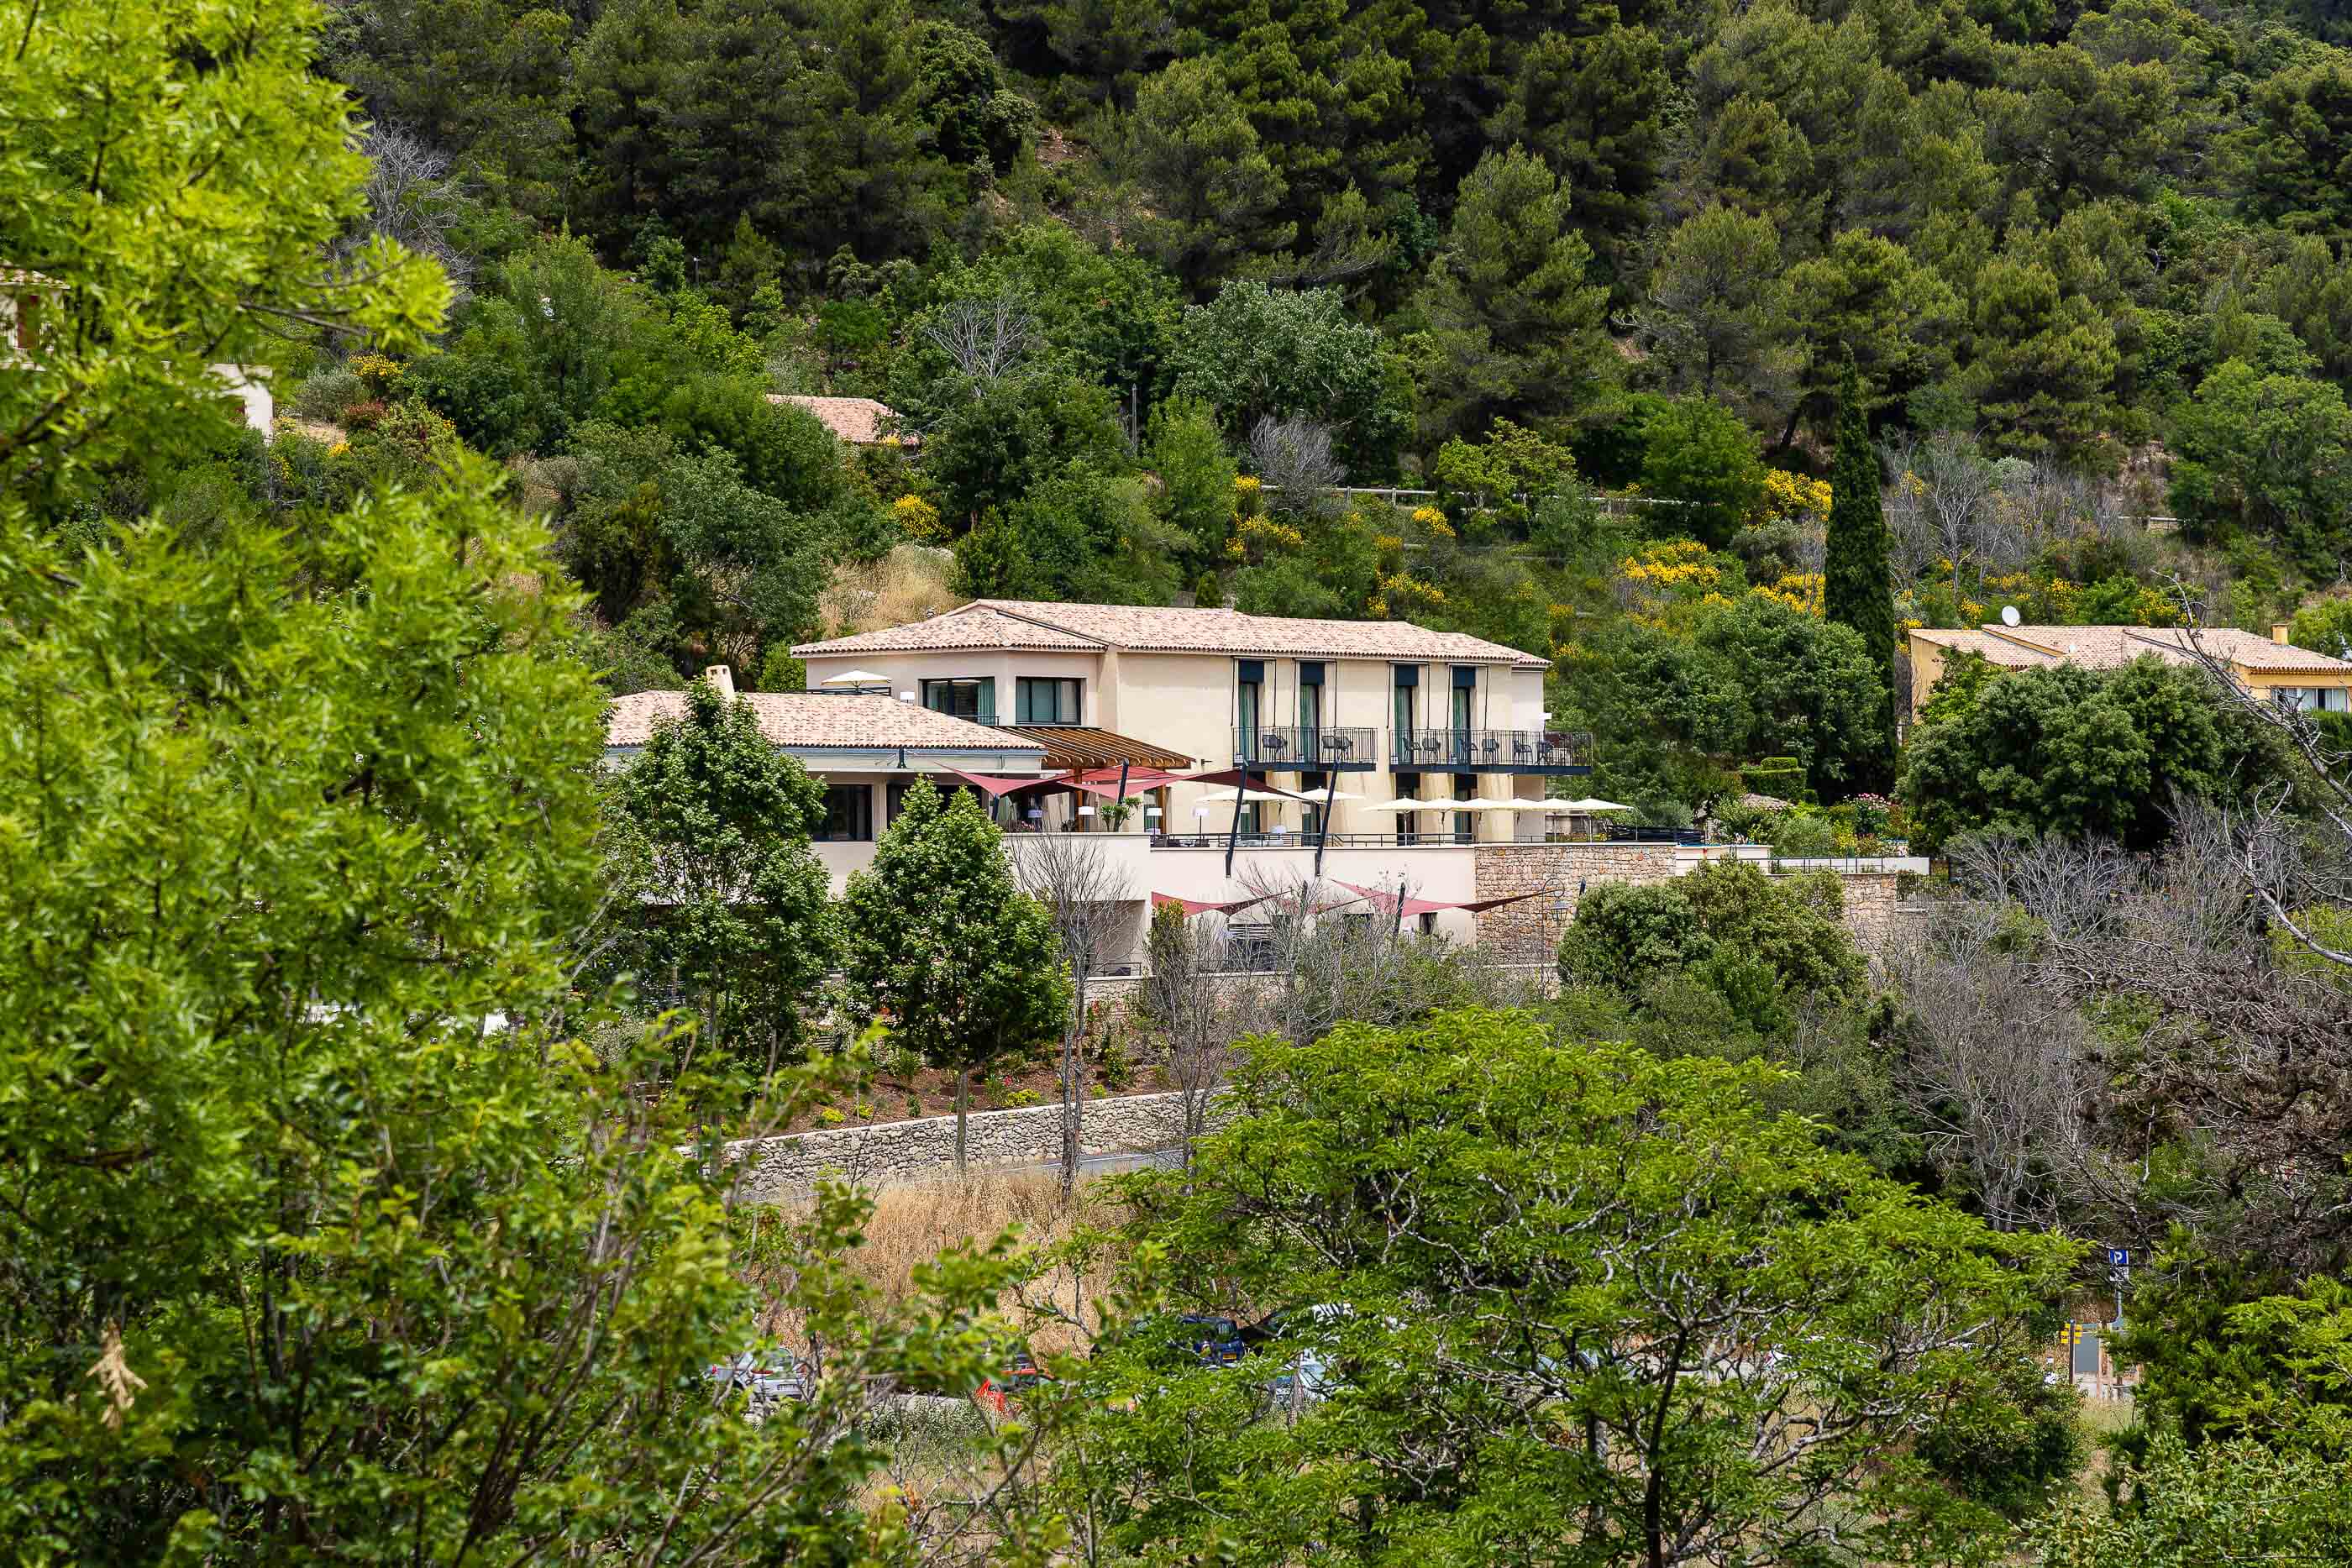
[(1206, 906), (995, 785)]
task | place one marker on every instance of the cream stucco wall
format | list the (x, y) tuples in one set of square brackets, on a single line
[(1187, 703)]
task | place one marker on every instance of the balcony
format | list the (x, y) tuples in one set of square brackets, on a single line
[(1306, 841), (1298, 748), (1534, 751)]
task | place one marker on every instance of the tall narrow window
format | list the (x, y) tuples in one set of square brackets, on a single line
[(1466, 823), (1405, 743), (1248, 694), (1465, 679)]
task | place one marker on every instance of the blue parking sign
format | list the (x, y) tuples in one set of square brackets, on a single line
[(2118, 1257)]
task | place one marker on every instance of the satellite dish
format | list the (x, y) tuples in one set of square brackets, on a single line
[(2008, 614)]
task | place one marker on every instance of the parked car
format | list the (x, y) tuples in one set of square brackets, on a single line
[(767, 1375)]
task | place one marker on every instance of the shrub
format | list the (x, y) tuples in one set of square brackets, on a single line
[(327, 394)]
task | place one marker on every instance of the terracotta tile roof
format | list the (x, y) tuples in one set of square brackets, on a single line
[(819, 719), (2112, 647), (858, 421), (970, 627), (1181, 630)]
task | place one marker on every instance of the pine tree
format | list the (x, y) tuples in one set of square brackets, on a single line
[(1854, 589)]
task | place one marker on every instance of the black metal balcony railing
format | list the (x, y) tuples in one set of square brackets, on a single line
[(1337, 748), (1263, 841), (1492, 750)]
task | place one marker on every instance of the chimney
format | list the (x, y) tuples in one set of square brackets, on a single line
[(721, 679), (2278, 635)]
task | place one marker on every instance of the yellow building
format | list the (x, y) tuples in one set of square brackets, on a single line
[(2269, 668)]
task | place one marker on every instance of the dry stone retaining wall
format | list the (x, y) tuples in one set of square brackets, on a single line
[(1533, 927), (875, 1156)]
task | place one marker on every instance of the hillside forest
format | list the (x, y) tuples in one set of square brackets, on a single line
[(383, 1071), (1145, 284)]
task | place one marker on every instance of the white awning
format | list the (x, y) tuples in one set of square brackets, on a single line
[(855, 678)]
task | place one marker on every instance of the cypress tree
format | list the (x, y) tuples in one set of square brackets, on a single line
[(1854, 588)]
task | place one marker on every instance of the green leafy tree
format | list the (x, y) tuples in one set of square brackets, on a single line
[(486, 79), (2325, 627), (2231, 1348), (1592, 103), (185, 224), (724, 899), (1254, 352), (1015, 434), (1798, 687), (1515, 331), (962, 94), (2081, 754), (1856, 589), (1761, 942), (1700, 454), (1514, 474), (1626, 934), (2238, 1501), (1196, 477), (942, 942), (2271, 455), (734, 570), (1548, 1301), (301, 860)]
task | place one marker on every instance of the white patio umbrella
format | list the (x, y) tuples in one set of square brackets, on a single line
[(1588, 803), (855, 678), (1400, 806), (1249, 798)]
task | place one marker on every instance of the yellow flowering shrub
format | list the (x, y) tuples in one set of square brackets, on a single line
[(1402, 596), (1676, 564), (1433, 520), (376, 372), (1249, 491), (917, 519), (1256, 538), (1664, 583), (1798, 591), (1792, 498)]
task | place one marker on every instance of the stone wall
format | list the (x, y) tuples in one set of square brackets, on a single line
[(1533, 927), (1870, 905), (903, 1151)]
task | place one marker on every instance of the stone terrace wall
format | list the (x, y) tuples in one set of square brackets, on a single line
[(904, 1151), (1535, 925), (1871, 905), (1532, 928)]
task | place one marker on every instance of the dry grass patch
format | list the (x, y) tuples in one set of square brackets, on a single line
[(914, 1223), (909, 584)]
